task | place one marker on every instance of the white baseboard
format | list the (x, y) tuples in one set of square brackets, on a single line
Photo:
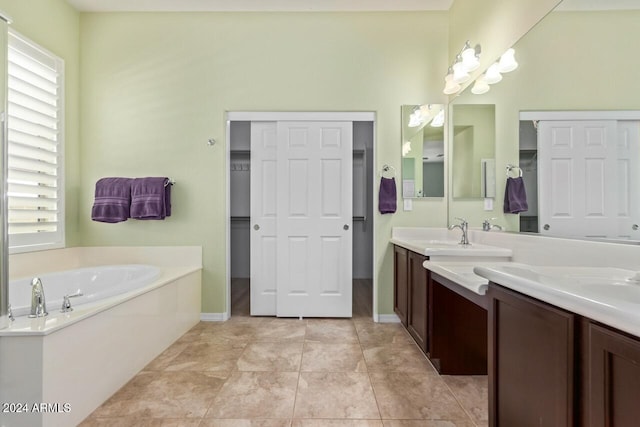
[(214, 317), (387, 318)]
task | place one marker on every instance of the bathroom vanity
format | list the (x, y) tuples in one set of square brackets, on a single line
[(578, 369), (447, 320)]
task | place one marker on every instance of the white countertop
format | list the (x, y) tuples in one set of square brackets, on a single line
[(462, 273), (604, 294), (433, 247)]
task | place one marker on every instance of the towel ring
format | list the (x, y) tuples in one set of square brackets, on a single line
[(388, 170), (512, 167)]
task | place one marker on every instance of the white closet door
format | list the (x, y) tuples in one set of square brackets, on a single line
[(264, 148), (314, 219), (628, 163), (578, 178)]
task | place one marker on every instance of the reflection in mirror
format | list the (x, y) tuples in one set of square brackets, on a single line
[(473, 152), (422, 150)]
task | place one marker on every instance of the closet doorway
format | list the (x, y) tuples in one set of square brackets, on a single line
[(300, 229)]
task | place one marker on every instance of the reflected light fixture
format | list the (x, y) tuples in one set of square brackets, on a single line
[(507, 61), (470, 57), (492, 75), (438, 120), (480, 86)]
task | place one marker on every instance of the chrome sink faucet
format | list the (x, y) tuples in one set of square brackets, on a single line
[(487, 226), (38, 303), (463, 226)]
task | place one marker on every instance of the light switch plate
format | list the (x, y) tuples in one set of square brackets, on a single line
[(408, 204), (488, 204)]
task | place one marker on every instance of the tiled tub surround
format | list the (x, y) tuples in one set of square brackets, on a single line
[(83, 357)]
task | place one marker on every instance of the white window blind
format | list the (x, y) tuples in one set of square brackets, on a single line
[(35, 142)]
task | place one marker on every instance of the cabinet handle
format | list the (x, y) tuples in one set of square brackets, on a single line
[(546, 226), (346, 226)]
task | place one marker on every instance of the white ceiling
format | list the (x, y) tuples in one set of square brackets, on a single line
[(256, 5)]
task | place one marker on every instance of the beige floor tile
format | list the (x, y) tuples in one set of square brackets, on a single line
[(322, 357), (279, 330), (212, 422), (202, 356), (427, 423), (400, 358), (372, 334), (473, 394), (248, 395), (271, 356), (414, 396), (221, 332), (156, 394), (124, 422), (166, 357), (335, 395), (338, 331), (336, 423)]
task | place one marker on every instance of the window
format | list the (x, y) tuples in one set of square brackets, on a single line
[(35, 147)]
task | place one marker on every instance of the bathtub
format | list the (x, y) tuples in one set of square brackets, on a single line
[(70, 363), (94, 283)]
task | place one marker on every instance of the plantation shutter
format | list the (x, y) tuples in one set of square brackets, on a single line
[(35, 193)]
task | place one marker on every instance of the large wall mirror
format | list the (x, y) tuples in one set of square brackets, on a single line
[(423, 150), (473, 151), (578, 58)]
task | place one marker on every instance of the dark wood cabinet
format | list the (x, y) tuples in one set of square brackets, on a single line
[(531, 362), (400, 283), (610, 378), (417, 316), (458, 338)]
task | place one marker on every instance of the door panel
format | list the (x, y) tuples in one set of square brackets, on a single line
[(263, 253), (315, 166)]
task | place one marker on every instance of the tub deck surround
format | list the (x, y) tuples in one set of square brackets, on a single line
[(83, 357)]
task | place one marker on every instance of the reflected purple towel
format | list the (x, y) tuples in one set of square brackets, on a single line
[(515, 196), (112, 200), (387, 195), (150, 198)]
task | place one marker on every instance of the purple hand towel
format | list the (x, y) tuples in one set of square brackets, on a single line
[(112, 200), (150, 198), (515, 196), (387, 195)]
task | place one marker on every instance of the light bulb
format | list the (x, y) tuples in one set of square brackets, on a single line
[(469, 59), (480, 86), (438, 120), (460, 74), (508, 61), (493, 74), (450, 86)]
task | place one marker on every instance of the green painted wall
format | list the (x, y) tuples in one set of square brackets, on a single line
[(155, 86), (55, 25)]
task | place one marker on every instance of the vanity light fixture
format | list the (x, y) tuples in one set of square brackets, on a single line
[(507, 61), (450, 86), (438, 120), (466, 61), (492, 75), (480, 86)]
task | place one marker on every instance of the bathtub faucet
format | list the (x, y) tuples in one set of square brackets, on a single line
[(38, 303), (66, 302)]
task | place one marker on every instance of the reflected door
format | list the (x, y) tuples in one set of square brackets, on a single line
[(314, 202), (586, 170)]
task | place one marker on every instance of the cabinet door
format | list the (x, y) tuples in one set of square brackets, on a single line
[(417, 315), (400, 283), (531, 362), (612, 379)]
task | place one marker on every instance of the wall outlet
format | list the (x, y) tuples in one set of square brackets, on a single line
[(408, 204)]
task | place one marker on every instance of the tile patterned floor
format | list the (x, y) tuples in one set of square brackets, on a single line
[(268, 372)]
